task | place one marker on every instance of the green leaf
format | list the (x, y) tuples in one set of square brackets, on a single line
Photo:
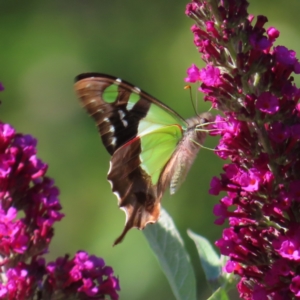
[(210, 260), (168, 246), (219, 294)]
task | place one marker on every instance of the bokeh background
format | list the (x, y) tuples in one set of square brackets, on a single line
[(44, 45)]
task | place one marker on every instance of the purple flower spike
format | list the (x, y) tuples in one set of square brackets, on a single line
[(25, 191), (251, 82)]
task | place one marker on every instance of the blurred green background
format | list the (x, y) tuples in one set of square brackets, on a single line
[(44, 45)]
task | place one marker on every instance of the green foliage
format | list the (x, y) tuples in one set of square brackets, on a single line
[(212, 265), (219, 294), (210, 260), (168, 246)]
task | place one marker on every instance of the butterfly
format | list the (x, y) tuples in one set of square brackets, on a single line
[(151, 146)]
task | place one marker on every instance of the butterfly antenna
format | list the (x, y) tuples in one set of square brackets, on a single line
[(191, 96), (200, 145), (197, 101), (207, 148), (202, 128)]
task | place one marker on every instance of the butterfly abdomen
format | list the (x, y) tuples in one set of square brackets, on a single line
[(186, 152), (183, 159)]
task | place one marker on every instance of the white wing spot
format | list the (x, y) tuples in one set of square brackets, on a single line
[(137, 90), (113, 141), (99, 110), (118, 195), (106, 120), (125, 211), (125, 123), (109, 170), (111, 129), (110, 182), (121, 114), (93, 101), (118, 80)]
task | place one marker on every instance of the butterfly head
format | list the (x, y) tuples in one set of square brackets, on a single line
[(201, 121), (198, 127), (206, 118)]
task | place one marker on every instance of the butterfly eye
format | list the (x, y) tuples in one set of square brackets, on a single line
[(204, 121), (206, 118)]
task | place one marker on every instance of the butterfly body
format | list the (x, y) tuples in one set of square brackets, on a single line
[(152, 147)]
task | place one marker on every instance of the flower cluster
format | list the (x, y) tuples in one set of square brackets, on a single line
[(85, 276), (249, 80), (29, 206), (24, 188)]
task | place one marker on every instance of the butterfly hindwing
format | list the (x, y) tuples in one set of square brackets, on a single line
[(141, 134), (136, 194)]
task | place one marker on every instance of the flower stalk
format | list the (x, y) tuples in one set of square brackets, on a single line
[(250, 81)]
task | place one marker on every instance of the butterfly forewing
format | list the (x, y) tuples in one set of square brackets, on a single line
[(118, 108), (106, 102), (141, 134)]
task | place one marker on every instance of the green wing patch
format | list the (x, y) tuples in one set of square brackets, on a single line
[(158, 115), (157, 148), (110, 93), (162, 115)]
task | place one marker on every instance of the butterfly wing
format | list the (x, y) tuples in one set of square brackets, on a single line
[(141, 134)]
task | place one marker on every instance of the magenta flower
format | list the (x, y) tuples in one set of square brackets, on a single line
[(193, 74), (250, 81), (29, 207), (210, 76), (267, 103), (295, 286)]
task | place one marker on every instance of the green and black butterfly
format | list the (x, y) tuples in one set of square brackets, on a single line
[(152, 147)]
